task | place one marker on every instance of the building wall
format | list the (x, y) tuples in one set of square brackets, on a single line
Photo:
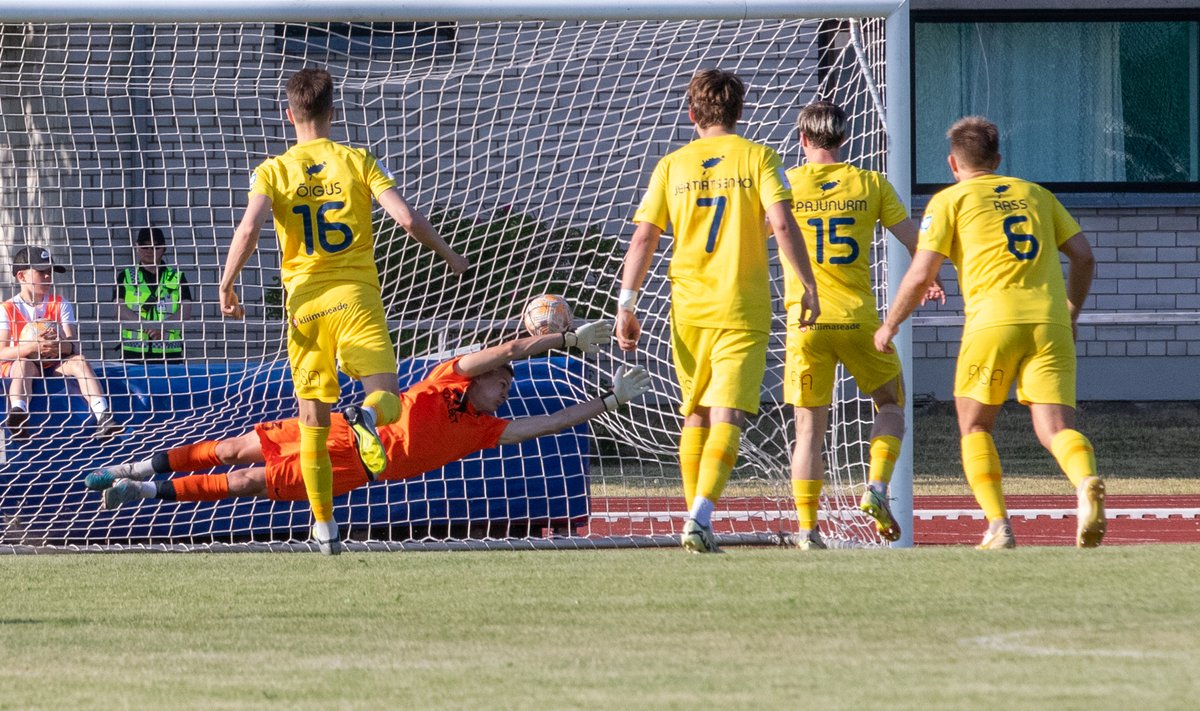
[(1139, 337)]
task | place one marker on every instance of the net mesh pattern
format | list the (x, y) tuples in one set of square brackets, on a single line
[(527, 144)]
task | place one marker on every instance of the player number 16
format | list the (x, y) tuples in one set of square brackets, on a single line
[(324, 228)]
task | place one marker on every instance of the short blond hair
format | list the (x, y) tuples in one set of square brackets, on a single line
[(823, 123), (716, 98), (975, 142)]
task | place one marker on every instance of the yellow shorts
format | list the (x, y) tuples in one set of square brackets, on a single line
[(342, 325), (1039, 357), (814, 352), (718, 367)]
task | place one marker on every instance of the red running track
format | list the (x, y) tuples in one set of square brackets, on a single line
[(939, 520)]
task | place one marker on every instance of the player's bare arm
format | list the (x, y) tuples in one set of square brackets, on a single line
[(421, 229), (905, 232), (628, 384), (245, 241), (10, 352), (1081, 267), (637, 263), (791, 243), (588, 338), (916, 282)]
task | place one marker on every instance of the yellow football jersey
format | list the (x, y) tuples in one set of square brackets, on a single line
[(1003, 236), (837, 206), (714, 192), (322, 194)]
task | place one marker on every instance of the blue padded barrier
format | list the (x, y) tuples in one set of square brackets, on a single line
[(509, 489)]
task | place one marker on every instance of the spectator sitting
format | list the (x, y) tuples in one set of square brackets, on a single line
[(38, 333), (153, 302)]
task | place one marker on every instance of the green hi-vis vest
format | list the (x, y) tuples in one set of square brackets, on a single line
[(150, 303)]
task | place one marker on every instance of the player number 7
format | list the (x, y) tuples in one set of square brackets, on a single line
[(713, 229)]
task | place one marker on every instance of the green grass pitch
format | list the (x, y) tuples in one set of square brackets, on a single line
[(934, 628)]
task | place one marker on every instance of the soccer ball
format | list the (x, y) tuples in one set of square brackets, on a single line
[(37, 330), (547, 314)]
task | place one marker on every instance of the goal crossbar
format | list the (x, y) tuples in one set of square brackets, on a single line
[(422, 10)]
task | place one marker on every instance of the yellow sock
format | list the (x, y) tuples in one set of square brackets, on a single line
[(720, 454), (691, 448), (386, 406), (317, 471), (884, 450), (807, 493), (1074, 454), (981, 463)]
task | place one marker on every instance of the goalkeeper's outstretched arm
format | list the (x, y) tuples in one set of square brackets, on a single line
[(587, 338), (628, 384)]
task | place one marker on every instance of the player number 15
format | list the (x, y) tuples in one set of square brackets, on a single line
[(834, 238)]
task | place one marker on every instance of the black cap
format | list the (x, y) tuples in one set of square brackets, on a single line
[(151, 236), (34, 258)]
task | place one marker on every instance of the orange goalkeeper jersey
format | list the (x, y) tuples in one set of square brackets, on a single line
[(437, 426)]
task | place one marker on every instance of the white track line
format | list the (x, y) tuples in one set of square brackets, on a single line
[(1018, 643), (922, 514)]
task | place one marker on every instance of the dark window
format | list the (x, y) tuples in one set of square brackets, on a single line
[(1081, 104)]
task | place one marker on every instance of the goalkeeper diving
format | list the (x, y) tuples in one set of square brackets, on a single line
[(446, 416)]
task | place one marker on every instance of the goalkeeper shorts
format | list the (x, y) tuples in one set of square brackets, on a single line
[(280, 443)]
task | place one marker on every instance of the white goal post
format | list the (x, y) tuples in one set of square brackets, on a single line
[(526, 130)]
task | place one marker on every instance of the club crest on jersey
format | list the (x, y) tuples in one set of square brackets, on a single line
[(926, 221), (1000, 189), (711, 162), (314, 169), (829, 185)]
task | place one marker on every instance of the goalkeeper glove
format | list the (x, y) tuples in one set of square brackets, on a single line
[(628, 384), (589, 337)]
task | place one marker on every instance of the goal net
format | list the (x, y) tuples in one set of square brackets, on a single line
[(528, 144)]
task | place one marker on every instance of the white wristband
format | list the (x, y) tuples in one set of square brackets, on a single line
[(628, 300), (611, 403)]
